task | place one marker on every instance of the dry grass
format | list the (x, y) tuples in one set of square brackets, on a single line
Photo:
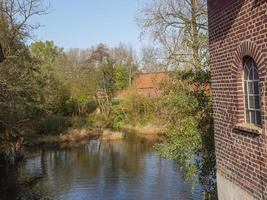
[(144, 130), (73, 135), (112, 135), (150, 132)]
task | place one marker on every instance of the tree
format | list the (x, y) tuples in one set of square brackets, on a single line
[(180, 28), (47, 57), (15, 17), (151, 61), (20, 78), (126, 65), (46, 52), (75, 73)]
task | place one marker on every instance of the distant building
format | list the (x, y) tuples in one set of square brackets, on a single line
[(238, 51), (148, 84)]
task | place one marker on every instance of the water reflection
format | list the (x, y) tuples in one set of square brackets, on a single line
[(119, 170)]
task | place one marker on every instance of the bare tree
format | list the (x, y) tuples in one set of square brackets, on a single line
[(125, 57), (180, 27), (151, 60), (15, 17)]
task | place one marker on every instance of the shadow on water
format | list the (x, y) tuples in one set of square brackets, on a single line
[(126, 169)]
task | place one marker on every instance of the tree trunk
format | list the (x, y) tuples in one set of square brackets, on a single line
[(195, 36)]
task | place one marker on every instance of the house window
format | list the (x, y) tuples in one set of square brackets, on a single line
[(252, 92)]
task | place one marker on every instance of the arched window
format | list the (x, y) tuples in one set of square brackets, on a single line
[(252, 92)]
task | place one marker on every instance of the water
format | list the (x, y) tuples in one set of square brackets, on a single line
[(116, 170)]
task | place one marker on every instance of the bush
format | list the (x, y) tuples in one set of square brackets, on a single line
[(100, 121), (90, 106), (80, 122), (118, 117), (75, 107), (53, 125), (70, 107), (138, 108)]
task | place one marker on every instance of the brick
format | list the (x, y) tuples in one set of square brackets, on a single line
[(238, 28)]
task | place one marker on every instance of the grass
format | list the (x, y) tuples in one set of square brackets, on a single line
[(149, 131)]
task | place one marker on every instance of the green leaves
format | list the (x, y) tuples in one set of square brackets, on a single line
[(186, 111), (122, 77), (46, 52)]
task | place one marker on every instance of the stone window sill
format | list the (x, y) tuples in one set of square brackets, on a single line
[(250, 128)]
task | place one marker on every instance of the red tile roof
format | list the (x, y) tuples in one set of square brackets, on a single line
[(150, 80), (147, 84)]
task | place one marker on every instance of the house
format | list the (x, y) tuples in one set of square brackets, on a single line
[(148, 84), (238, 51)]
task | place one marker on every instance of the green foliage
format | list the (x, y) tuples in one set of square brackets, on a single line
[(182, 143), (178, 111), (100, 121), (118, 116), (121, 76), (107, 81), (55, 93), (20, 93), (80, 122), (186, 110), (138, 108), (46, 52), (53, 125)]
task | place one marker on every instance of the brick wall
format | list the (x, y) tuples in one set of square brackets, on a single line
[(238, 28)]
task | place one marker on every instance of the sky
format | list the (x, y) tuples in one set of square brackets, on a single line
[(83, 23)]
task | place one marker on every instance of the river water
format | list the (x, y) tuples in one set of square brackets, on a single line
[(107, 170)]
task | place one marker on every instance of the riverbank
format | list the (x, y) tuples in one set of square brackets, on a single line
[(150, 132), (72, 137)]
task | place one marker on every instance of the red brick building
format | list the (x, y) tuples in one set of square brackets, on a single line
[(148, 84), (238, 48)]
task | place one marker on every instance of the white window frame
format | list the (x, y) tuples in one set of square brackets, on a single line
[(252, 111)]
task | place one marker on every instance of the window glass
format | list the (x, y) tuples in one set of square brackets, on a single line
[(250, 88), (256, 87), (252, 92)]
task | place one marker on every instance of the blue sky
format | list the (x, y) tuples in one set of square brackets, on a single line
[(83, 23)]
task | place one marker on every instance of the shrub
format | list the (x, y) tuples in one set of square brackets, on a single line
[(70, 107), (100, 121), (118, 117), (80, 122), (90, 106), (53, 125), (138, 108), (75, 107)]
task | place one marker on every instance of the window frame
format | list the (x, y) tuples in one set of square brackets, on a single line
[(250, 85)]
